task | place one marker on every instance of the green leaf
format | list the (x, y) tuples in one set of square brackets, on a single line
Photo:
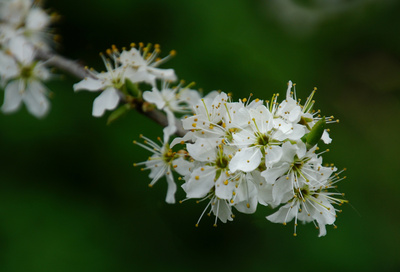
[(315, 134), (118, 113), (132, 88)]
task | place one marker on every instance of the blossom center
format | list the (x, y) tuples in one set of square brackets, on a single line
[(26, 72), (262, 139)]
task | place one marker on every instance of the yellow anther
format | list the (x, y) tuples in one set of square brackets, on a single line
[(172, 53), (194, 125), (226, 182), (197, 177)]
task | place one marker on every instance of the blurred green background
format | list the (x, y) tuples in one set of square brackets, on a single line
[(70, 199)]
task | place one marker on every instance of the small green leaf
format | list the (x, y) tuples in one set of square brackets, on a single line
[(315, 134), (132, 88), (118, 113)]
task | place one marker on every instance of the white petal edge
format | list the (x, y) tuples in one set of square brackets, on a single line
[(107, 100)]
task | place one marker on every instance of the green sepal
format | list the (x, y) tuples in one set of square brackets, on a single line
[(132, 88), (312, 138), (118, 113)]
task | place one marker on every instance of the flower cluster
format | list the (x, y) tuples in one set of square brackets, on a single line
[(124, 71), (23, 26), (241, 154), (233, 155)]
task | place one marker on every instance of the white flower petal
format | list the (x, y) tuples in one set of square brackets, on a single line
[(12, 97), (246, 160), (37, 19), (297, 132), (171, 128), (272, 174), (187, 137), (224, 191), (22, 50), (222, 210), (264, 194), (8, 67), (325, 137), (154, 96), (202, 150), (288, 152), (246, 197), (272, 155), (90, 84), (166, 74), (289, 89), (107, 100), (200, 183), (36, 100), (183, 167), (171, 188), (284, 214), (282, 190), (140, 76)]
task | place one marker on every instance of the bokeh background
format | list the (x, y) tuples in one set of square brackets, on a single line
[(70, 199)]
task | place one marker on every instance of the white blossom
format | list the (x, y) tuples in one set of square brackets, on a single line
[(22, 77), (144, 64), (239, 154), (160, 163), (311, 202), (108, 83)]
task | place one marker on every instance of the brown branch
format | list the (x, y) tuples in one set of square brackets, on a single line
[(77, 70), (64, 64)]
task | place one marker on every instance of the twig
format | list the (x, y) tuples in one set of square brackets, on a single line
[(67, 65)]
